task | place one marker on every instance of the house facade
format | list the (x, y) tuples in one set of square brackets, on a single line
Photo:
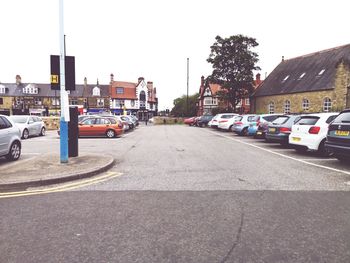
[(139, 98), (317, 82), (20, 98), (210, 99)]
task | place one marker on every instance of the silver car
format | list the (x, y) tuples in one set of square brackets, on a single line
[(29, 125), (10, 139)]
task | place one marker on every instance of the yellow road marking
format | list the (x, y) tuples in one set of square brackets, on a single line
[(62, 188)]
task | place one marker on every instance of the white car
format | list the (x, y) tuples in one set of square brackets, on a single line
[(218, 117), (310, 132), (29, 125), (10, 139), (226, 123)]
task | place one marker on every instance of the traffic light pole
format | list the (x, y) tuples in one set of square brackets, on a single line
[(64, 118)]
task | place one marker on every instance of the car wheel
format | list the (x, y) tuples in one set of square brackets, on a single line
[(15, 151), (322, 150), (110, 134), (25, 134), (43, 131), (341, 158), (244, 132)]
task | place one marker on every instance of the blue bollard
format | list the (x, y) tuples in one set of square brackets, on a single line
[(63, 141)]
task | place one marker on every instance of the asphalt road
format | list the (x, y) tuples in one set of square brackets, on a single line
[(186, 194)]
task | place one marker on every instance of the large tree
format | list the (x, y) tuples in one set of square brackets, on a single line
[(233, 63), (180, 106)]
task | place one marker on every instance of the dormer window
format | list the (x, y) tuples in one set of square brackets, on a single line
[(285, 78), (2, 89), (30, 89), (96, 91)]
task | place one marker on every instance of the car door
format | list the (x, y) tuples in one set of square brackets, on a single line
[(5, 136), (101, 126), (86, 127), (31, 125), (37, 125)]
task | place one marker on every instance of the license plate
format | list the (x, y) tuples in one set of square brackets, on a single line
[(272, 129), (258, 133), (342, 133), (296, 139)]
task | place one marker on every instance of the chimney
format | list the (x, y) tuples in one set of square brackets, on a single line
[(257, 79), (112, 78), (282, 58), (150, 85), (85, 81), (18, 80), (202, 81), (155, 91)]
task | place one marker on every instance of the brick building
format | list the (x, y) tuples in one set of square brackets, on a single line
[(317, 82)]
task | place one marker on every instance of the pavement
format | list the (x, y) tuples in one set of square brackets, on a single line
[(47, 169)]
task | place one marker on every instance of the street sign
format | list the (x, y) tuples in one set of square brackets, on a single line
[(69, 62)]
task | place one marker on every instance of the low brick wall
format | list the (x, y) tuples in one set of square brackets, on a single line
[(51, 123), (168, 120)]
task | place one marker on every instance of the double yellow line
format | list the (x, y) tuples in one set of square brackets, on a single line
[(61, 188)]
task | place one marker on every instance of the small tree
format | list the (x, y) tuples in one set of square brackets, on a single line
[(233, 65), (180, 106)]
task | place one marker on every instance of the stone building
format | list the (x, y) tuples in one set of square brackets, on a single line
[(317, 82)]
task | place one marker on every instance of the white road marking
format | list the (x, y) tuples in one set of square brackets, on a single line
[(282, 155)]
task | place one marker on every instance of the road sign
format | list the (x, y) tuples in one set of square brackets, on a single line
[(69, 72)]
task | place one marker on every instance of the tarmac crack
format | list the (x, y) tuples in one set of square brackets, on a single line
[(237, 239)]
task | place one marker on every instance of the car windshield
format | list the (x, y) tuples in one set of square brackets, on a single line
[(227, 116), (308, 120), (280, 120), (19, 119), (343, 117)]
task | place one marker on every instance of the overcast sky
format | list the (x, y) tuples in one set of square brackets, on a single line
[(154, 38)]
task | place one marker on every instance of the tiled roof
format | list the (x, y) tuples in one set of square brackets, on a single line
[(214, 88), (129, 90), (312, 72)]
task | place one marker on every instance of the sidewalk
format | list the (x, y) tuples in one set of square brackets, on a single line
[(46, 169)]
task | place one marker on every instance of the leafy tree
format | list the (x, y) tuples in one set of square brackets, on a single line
[(180, 106), (233, 64)]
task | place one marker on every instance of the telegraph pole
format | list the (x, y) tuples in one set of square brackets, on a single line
[(64, 118), (188, 64)]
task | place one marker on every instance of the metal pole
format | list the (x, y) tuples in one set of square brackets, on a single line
[(188, 61), (63, 93)]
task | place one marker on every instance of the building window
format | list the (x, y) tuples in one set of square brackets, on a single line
[(74, 102), (55, 102), (208, 101), (247, 102), (30, 89), (271, 107), (96, 91), (327, 104), (2, 89), (100, 102), (37, 101), (119, 103), (132, 103), (215, 101), (1, 101), (120, 90), (287, 107), (305, 104)]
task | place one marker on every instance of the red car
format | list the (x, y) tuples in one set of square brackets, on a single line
[(190, 121), (101, 126)]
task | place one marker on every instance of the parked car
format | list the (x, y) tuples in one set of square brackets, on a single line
[(261, 119), (227, 122), (310, 132), (10, 139), (189, 121), (29, 125), (242, 122), (338, 136), (131, 122), (263, 127), (214, 123), (203, 120), (279, 129), (101, 126)]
